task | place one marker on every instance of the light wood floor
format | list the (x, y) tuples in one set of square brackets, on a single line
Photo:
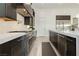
[(37, 46)]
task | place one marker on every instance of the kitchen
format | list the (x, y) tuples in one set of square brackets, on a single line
[(16, 29), (39, 29)]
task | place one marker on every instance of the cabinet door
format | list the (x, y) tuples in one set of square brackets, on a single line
[(5, 49), (54, 39), (51, 37), (19, 46), (62, 46), (71, 46), (16, 49), (10, 11)]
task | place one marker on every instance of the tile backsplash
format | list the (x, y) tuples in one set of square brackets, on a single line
[(6, 26)]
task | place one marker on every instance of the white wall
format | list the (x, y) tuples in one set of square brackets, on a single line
[(43, 21), (45, 17)]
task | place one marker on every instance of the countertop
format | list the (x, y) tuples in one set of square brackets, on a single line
[(5, 37), (68, 33), (6, 27)]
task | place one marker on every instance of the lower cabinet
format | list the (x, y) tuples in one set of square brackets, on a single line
[(18, 47), (54, 39), (71, 46), (5, 49), (65, 45), (15, 47), (62, 45)]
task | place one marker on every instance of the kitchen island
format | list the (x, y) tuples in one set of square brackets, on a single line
[(66, 43), (5, 37)]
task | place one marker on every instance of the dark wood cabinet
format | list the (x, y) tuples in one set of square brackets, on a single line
[(20, 46), (6, 10), (14, 47), (10, 11), (71, 46), (54, 39), (5, 49), (62, 45), (65, 45), (17, 48)]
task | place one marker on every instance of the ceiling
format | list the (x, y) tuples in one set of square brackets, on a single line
[(55, 5)]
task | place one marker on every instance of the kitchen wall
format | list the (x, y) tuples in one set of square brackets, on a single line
[(7, 26), (43, 21), (45, 16)]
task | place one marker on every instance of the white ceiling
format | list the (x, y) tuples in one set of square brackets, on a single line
[(55, 5)]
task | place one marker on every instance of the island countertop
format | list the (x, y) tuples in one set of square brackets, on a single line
[(74, 34), (5, 37)]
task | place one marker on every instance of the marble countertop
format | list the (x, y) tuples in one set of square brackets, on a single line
[(5, 37), (68, 33), (74, 34)]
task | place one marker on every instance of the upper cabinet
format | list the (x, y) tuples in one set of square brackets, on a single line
[(10, 11), (7, 11)]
